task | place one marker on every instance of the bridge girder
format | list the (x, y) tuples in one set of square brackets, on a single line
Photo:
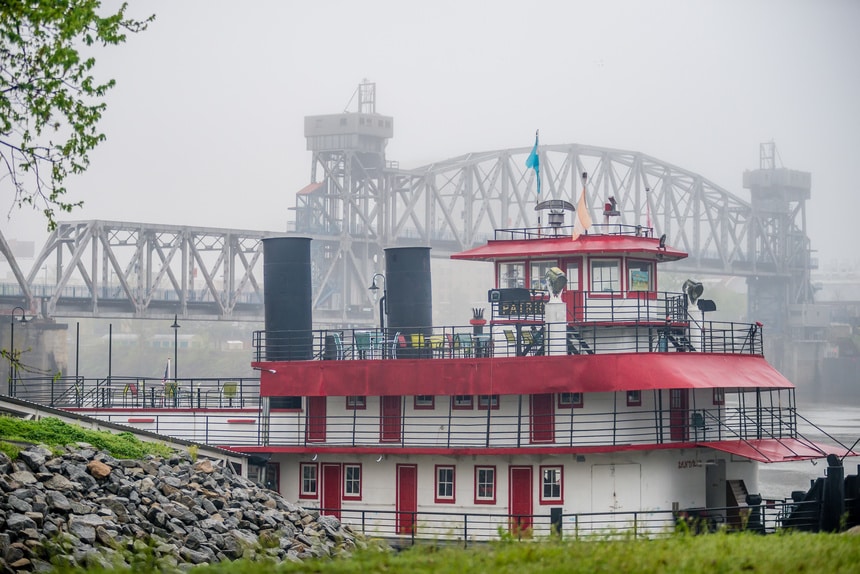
[(362, 205)]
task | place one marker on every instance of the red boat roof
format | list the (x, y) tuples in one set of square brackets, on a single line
[(519, 375), (776, 450), (646, 247)]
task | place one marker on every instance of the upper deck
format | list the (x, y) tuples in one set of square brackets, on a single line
[(606, 313)]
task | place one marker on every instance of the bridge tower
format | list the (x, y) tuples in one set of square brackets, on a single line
[(344, 208), (779, 282)]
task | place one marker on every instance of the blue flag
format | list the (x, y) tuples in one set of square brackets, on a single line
[(533, 161)]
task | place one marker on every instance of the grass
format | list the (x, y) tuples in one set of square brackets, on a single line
[(55, 434), (795, 552)]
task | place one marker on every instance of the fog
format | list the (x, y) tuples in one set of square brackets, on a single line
[(205, 126)]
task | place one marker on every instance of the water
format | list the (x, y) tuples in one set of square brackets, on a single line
[(840, 421)]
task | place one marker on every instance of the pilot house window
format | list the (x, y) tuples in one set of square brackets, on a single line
[(512, 275), (605, 276)]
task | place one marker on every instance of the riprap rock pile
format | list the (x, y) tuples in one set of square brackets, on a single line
[(86, 508)]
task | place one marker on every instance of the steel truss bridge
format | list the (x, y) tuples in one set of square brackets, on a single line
[(363, 204)]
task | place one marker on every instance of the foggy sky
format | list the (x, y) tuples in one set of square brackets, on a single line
[(205, 126)]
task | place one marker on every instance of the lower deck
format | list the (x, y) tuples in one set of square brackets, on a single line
[(392, 491)]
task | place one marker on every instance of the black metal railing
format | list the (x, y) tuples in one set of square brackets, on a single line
[(139, 392), (567, 231), (625, 329), (246, 425), (414, 527)]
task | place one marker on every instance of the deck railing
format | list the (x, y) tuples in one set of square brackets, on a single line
[(244, 424), (138, 392), (407, 528), (510, 339)]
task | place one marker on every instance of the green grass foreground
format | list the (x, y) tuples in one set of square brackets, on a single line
[(794, 552)]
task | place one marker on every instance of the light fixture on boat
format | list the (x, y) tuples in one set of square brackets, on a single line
[(556, 280), (315, 457), (693, 289), (662, 244), (381, 458)]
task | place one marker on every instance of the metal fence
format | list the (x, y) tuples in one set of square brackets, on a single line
[(138, 392), (406, 528)]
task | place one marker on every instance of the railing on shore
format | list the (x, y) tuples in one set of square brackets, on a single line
[(406, 528), (138, 392)]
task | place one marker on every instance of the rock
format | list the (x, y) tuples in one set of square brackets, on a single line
[(98, 470), (18, 522)]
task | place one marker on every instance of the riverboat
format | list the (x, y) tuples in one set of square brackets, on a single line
[(580, 389)]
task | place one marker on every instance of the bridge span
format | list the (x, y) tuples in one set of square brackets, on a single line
[(359, 203)]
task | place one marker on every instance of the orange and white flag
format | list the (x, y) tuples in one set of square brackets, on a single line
[(583, 218)]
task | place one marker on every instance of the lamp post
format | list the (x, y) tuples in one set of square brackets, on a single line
[(374, 290), (175, 328), (13, 358)]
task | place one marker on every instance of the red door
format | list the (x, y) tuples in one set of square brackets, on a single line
[(407, 497), (542, 418), (331, 489), (390, 420), (678, 414), (573, 293), (315, 425), (520, 499)]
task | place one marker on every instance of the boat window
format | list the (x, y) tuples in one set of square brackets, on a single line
[(551, 481), (537, 274), (462, 401), (640, 276), (485, 484), (634, 398), (605, 276), (488, 401), (512, 275), (719, 396), (356, 403), (308, 472), (445, 484), (352, 481), (570, 400), (424, 401), (572, 276)]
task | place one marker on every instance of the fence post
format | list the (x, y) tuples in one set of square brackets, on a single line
[(465, 531)]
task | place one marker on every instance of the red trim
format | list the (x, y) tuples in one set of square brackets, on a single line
[(645, 248), (521, 375), (144, 420), (495, 484), (346, 496), (315, 494), (242, 421), (443, 500), (560, 469)]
